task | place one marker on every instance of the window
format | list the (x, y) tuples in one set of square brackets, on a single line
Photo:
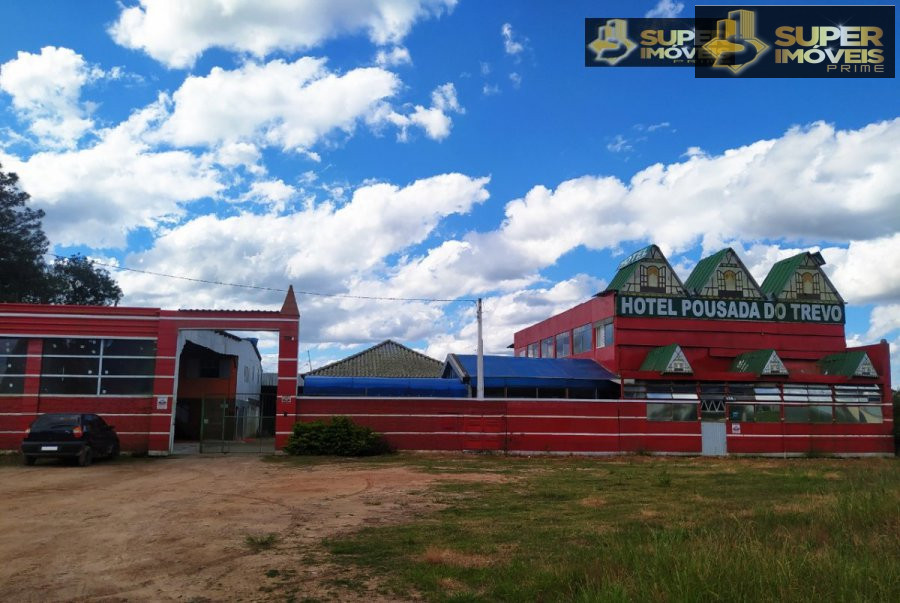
[(796, 414), (767, 413), (603, 333), (858, 414), (562, 345), (98, 367), (13, 352), (657, 411), (547, 348), (741, 413), (581, 339), (532, 350)]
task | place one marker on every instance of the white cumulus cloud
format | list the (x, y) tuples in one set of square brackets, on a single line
[(46, 90), (176, 32)]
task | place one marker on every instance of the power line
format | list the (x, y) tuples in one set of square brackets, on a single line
[(297, 292)]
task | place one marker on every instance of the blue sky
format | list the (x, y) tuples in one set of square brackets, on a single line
[(428, 148)]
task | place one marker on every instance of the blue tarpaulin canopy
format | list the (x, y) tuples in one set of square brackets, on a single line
[(383, 386), (510, 371)]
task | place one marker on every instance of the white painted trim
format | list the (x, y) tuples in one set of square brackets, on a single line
[(813, 435), (224, 318)]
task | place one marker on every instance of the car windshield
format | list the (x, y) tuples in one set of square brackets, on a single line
[(56, 421)]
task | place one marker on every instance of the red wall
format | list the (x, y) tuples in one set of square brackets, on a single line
[(141, 425), (582, 426)]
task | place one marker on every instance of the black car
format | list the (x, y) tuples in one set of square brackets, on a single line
[(76, 436)]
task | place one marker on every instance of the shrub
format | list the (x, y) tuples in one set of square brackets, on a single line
[(339, 437)]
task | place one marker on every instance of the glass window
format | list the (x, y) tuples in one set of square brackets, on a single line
[(741, 391), (562, 345), (659, 412), (820, 414), (581, 339), (547, 348), (13, 346), (741, 413), (767, 391), (532, 350), (71, 347), (11, 365), (870, 414), (684, 412), (603, 333), (129, 347), (61, 365), (69, 385), (767, 413), (12, 385), (73, 366), (796, 414), (126, 386)]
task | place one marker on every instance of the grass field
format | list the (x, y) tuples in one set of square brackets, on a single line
[(643, 529)]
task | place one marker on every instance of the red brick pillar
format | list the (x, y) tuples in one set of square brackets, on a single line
[(161, 405), (288, 347)]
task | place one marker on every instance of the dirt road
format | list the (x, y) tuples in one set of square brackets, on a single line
[(177, 528)]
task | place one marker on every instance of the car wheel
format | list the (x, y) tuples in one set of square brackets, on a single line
[(30, 460), (114, 451), (86, 456)]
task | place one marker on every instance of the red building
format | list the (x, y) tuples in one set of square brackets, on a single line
[(721, 364), (121, 363)]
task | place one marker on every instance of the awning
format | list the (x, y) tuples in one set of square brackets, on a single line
[(510, 371)]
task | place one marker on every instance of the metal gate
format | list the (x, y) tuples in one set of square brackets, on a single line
[(236, 425)]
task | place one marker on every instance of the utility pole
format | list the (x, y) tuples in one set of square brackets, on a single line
[(479, 366)]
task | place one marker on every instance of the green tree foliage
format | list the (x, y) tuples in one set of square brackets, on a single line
[(22, 245), (75, 280), (338, 437), (25, 276)]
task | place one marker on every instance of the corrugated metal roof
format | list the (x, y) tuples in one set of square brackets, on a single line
[(845, 364), (703, 270), (753, 362), (621, 277), (780, 274), (658, 359), (387, 359), (527, 372)]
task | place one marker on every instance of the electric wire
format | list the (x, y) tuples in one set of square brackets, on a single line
[(262, 288)]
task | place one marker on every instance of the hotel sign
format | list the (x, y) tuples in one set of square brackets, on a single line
[(728, 309)]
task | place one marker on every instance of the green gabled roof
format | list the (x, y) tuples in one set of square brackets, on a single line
[(753, 362), (845, 364), (780, 274), (703, 270), (621, 277), (659, 359)]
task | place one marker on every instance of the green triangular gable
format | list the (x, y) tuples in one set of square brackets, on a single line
[(646, 271), (667, 359), (786, 280), (759, 362), (710, 277), (848, 364)]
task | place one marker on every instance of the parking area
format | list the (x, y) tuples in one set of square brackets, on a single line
[(184, 528)]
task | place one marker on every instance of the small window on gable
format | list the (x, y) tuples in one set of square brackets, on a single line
[(808, 286), (653, 279)]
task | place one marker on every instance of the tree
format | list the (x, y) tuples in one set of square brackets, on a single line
[(25, 276), (22, 244), (75, 280)]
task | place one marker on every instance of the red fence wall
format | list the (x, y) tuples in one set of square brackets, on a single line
[(582, 426)]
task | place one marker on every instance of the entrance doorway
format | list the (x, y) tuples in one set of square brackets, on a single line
[(712, 427)]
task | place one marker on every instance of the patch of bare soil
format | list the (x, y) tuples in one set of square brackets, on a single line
[(177, 529)]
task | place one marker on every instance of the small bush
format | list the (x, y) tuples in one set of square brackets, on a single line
[(262, 542), (339, 437)]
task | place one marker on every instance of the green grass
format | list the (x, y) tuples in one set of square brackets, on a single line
[(645, 529), (260, 542)]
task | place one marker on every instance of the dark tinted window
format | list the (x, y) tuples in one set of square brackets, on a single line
[(71, 347), (10, 365), (12, 385), (54, 420), (129, 347), (70, 366), (128, 366), (69, 385), (13, 345), (126, 386)]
